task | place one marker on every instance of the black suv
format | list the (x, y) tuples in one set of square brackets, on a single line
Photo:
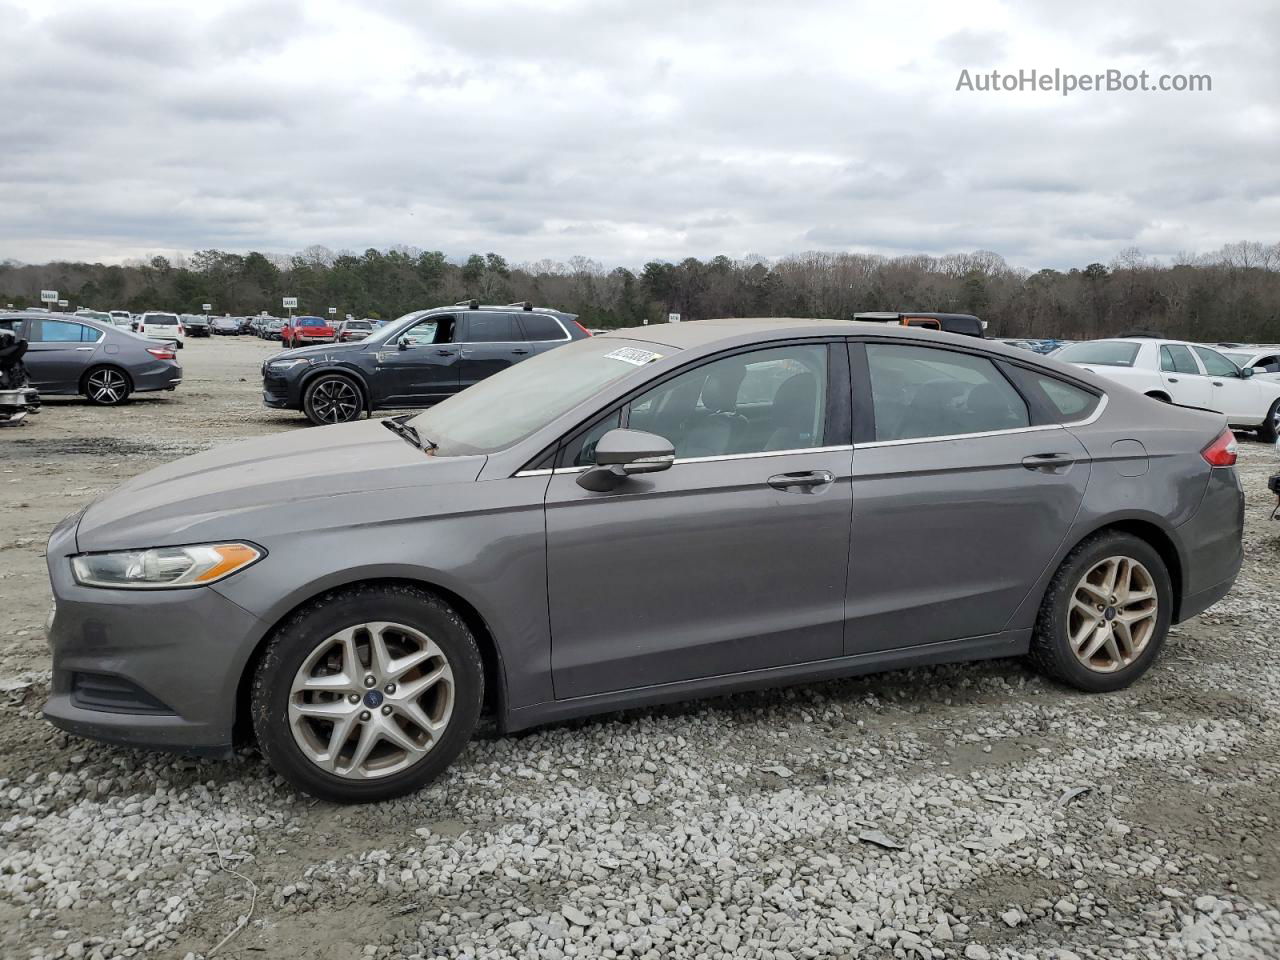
[(414, 361)]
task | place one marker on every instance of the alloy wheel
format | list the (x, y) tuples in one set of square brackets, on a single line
[(371, 700), (1113, 613), (336, 400), (107, 386)]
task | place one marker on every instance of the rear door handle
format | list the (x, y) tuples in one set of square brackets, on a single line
[(519, 351), (84, 348), (807, 478), (1217, 383), (445, 353), (1044, 461), (1172, 379)]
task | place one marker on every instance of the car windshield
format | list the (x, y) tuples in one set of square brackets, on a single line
[(512, 405), (1238, 358), (160, 320), (1106, 353), (357, 325), (310, 322)]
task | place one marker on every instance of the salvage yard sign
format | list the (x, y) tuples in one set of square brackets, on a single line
[(48, 296), (291, 303)]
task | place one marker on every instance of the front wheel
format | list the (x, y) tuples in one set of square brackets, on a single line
[(367, 693), (1105, 615), (331, 398), (107, 386)]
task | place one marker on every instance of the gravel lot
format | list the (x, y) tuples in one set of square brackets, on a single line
[(926, 813)]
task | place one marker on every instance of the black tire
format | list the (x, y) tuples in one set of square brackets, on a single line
[(332, 398), (1051, 651), (1268, 430), (323, 617), (106, 386)]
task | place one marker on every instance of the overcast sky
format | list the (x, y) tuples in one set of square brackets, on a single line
[(625, 130)]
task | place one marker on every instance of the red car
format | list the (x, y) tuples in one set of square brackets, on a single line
[(299, 330)]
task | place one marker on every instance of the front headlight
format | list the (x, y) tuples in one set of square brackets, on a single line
[(163, 567), (286, 364)]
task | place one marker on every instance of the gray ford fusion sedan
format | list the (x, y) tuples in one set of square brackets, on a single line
[(640, 517)]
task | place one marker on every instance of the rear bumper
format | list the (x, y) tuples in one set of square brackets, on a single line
[(1212, 543), (161, 375)]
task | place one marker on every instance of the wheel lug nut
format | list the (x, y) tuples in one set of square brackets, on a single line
[(369, 681), (390, 688), (354, 698), (386, 711), (364, 714)]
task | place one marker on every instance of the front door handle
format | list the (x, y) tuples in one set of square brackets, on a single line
[(444, 353), (519, 351), (1173, 379), (1217, 383), (1045, 461), (807, 478), (84, 348)]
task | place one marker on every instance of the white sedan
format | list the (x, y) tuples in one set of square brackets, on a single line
[(1265, 360), (1189, 374)]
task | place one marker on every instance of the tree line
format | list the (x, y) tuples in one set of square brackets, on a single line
[(1230, 294)]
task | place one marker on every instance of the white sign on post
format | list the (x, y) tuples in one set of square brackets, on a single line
[(62, 303), (673, 318), (207, 307), (291, 303), (48, 296), (333, 311)]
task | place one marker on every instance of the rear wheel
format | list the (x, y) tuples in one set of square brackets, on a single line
[(367, 693), (1269, 430), (332, 398), (107, 386), (1105, 614)]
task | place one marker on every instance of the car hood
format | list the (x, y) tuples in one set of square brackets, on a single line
[(319, 351), (256, 485)]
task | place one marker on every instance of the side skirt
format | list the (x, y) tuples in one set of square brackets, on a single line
[(1010, 643)]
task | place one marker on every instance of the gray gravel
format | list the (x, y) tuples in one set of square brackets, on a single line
[(970, 811)]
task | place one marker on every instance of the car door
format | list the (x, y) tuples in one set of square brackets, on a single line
[(490, 342), (732, 560), (59, 352), (960, 499), (1240, 399), (1182, 377), (420, 366)]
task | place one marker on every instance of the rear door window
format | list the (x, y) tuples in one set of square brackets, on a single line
[(920, 392), (1175, 358), (63, 331), (491, 328)]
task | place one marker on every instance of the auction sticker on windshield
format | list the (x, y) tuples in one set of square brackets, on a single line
[(633, 355)]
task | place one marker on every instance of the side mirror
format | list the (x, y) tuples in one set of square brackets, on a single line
[(624, 453), (1247, 372), (403, 343)]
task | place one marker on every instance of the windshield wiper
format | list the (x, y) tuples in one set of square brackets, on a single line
[(408, 433)]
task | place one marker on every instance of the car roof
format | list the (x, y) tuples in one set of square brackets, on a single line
[(697, 333)]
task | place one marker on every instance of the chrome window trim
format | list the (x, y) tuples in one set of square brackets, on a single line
[(1097, 412), (547, 472)]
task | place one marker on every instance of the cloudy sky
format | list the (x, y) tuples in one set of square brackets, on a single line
[(627, 130)]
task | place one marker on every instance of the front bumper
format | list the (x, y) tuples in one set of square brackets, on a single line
[(177, 654), (279, 392)]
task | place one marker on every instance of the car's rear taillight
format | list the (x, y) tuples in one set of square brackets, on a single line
[(1222, 452), (162, 353), (582, 328)]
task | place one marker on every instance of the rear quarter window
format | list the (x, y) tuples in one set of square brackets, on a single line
[(1057, 400)]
